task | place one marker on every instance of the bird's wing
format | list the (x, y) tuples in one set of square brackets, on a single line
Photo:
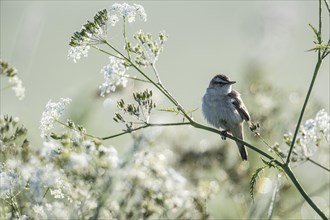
[(239, 105)]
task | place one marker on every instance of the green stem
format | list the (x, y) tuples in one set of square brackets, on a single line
[(65, 125), (317, 67), (137, 79), (156, 73), (327, 5), (106, 52), (145, 126), (203, 127), (125, 37), (317, 164), (294, 180)]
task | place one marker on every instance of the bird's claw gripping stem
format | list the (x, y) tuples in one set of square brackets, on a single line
[(223, 134)]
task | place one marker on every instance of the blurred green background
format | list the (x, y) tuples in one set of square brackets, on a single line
[(237, 38)]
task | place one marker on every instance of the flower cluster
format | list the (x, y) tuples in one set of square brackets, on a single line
[(94, 32), (140, 112), (53, 111), (154, 189), (12, 137), (90, 34), (114, 75), (17, 86), (127, 11), (147, 50), (309, 137), (15, 82)]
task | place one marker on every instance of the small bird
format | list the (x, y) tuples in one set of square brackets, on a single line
[(223, 108)]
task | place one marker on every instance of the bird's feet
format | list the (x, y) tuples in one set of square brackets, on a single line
[(223, 134)]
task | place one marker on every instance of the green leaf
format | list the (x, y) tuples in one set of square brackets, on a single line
[(173, 110), (254, 179), (314, 30), (191, 111)]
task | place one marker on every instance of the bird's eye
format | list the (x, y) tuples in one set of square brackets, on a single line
[(219, 83)]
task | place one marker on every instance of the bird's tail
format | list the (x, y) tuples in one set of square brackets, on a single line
[(238, 132)]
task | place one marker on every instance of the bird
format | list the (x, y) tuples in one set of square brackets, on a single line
[(223, 108)]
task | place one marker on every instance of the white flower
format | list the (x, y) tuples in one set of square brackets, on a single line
[(114, 75), (310, 136), (53, 111), (79, 161), (40, 178), (17, 86), (111, 155), (39, 210), (322, 120), (141, 12), (50, 149), (8, 180), (128, 11), (78, 51), (113, 19), (57, 193)]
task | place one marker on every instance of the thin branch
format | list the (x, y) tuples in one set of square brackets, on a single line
[(85, 134), (137, 79), (317, 164), (125, 37), (145, 126), (156, 73), (327, 5), (214, 130), (106, 52)]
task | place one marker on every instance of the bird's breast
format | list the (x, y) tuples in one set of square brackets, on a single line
[(220, 112)]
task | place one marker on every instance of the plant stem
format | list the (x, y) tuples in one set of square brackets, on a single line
[(65, 125), (145, 126), (106, 52), (317, 164), (294, 180), (137, 79), (156, 73), (316, 70), (327, 5), (317, 67), (125, 37), (214, 130)]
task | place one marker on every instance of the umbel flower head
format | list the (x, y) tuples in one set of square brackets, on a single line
[(53, 111), (309, 137), (94, 32), (14, 81), (114, 75), (147, 49)]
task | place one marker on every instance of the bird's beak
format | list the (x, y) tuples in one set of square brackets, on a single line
[(231, 82)]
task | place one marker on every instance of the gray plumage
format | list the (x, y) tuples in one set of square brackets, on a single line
[(223, 108)]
